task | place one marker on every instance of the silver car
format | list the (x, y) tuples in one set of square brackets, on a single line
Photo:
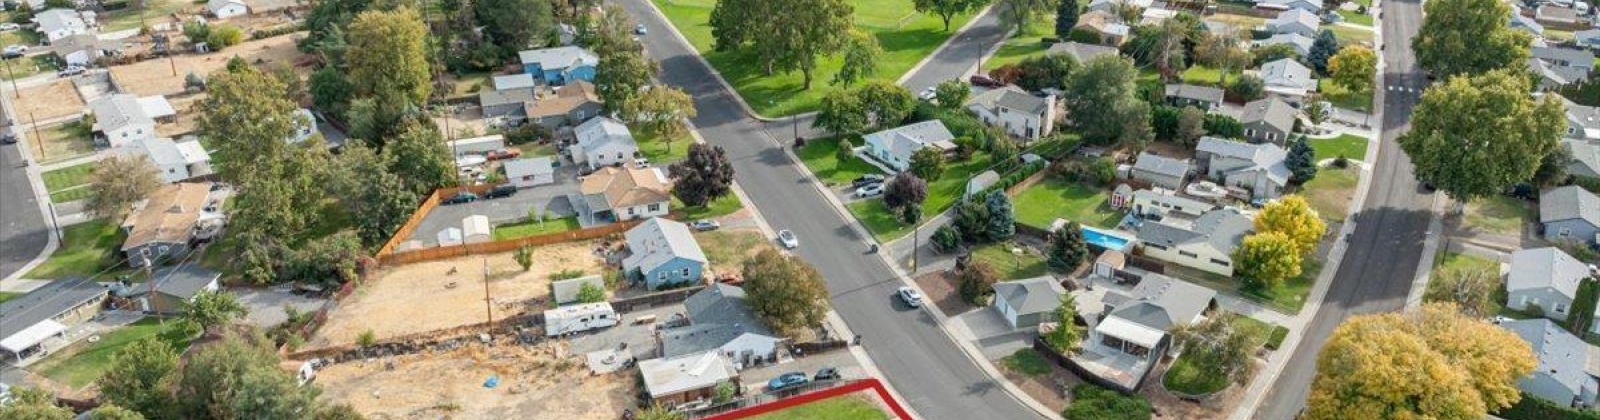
[(788, 239), (909, 296)]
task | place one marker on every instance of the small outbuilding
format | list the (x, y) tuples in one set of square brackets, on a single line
[(450, 237), (531, 172), (1027, 303), (476, 229)]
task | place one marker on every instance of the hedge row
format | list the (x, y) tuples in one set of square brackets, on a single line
[(1535, 408), (276, 31)]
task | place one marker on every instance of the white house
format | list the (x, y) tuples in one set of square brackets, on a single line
[(1015, 111), (1256, 167), (122, 118), (531, 172), (1295, 21), (614, 194), (175, 161), (476, 145), (1204, 243), (223, 9), (1306, 5), (1287, 78), (55, 24), (603, 141), (893, 147)]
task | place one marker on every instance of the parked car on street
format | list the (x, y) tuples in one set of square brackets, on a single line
[(500, 191), (910, 296), (8, 138), (639, 29), (788, 239), (928, 94), (866, 180), (985, 81), (787, 380), (703, 225), (460, 198), (869, 190), (826, 374)]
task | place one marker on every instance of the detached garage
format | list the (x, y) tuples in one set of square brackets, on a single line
[(1027, 303), (531, 172)]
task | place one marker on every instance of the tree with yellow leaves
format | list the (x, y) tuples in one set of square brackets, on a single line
[(1432, 363), (1293, 217)]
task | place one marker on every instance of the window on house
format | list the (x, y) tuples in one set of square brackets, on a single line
[(630, 211), (1188, 254), (1250, 132), (662, 275), (685, 272), (655, 207), (1160, 247), (1565, 232), (1219, 262)]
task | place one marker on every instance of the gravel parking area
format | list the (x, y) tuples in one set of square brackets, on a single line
[(266, 305)]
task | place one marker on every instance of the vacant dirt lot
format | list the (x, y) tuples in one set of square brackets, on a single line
[(52, 100), (154, 77), (424, 297), (534, 383)]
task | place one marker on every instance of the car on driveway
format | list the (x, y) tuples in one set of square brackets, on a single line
[(703, 225), (928, 94), (985, 81), (500, 191), (866, 180), (910, 296), (826, 374), (460, 198), (787, 380), (71, 71), (15, 50), (788, 239), (502, 154), (869, 190), (9, 26)]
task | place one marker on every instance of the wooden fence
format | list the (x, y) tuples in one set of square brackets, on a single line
[(443, 252)]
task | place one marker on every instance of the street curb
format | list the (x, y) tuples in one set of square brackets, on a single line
[(1430, 251), (946, 44), (41, 195), (702, 59)]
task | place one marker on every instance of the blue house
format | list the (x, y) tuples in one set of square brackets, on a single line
[(1570, 213), (560, 65), (663, 253)]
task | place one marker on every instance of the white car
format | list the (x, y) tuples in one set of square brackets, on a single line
[(639, 29), (909, 296), (788, 239), (641, 163), (8, 26), (928, 94), (869, 190), (15, 50)]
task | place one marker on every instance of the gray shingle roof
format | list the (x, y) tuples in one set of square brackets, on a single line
[(1563, 357), (183, 281), (505, 97), (1547, 267), (600, 132), (658, 241), (1271, 111), (1569, 202), (115, 111), (58, 19), (46, 302), (1585, 157), (1584, 116), (1010, 97), (1163, 302), (1157, 164), (1565, 57), (559, 57), (718, 315), (518, 168), (1302, 44), (1288, 72), (1031, 296), (906, 139), (161, 151), (1266, 156), (1287, 19), (1081, 51), (1195, 92), (1221, 229), (1519, 21)]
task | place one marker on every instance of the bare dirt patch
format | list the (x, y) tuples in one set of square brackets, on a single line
[(51, 100), (940, 288), (727, 250), (155, 77), (535, 382), (187, 118), (416, 298), (1049, 389)]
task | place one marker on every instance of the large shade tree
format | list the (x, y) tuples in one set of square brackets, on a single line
[(388, 55), (1474, 136), (1468, 37), (1101, 97), (786, 293)]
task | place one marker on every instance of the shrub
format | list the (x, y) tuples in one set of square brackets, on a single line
[(275, 31), (946, 238), (566, 274), (367, 338), (1341, 162), (1535, 408), (977, 282), (1090, 402), (1276, 336)]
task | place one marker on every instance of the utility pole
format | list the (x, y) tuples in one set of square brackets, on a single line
[(488, 307), (916, 246), (14, 89), (37, 138)]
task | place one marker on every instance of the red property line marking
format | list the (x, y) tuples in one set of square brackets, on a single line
[(810, 397)]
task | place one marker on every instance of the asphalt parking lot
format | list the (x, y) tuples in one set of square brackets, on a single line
[(552, 197)]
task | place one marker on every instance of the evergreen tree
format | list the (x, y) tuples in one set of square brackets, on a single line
[(1322, 49), (1002, 223), (1067, 248), (1066, 18), (1301, 161)]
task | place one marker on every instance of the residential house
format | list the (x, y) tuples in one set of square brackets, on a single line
[(1526, 24), (1589, 39), (175, 161), (1583, 122), (1570, 213), (1313, 6), (1161, 171), (122, 118), (603, 141), (572, 104), (1015, 111), (663, 253), (513, 81), (1585, 157), (894, 147), (84, 50), (1269, 120), (560, 65), (1300, 43), (1154, 16), (721, 321), (1552, 14), (1546, 278), (566, 291), (163, 224), (614, 194), (1029, 302), (1081, 51), (1296, 21), (174, 288), (506, 107), (671, 381), (1204, 243), (46, 313), (1112, 5), (1133, 330), (1206, 98), (530, 172), (1558, 67), (223, 9), (1258, 168), (1288, 79), (1158, 204), (1106, 25), (1563, 375), (56, 24)]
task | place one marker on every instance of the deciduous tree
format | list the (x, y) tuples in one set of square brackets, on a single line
[(620, 77), (1044, 72), (238, 377), (786, 36), (951, 94), (388, 54), (1222, 51), (977, 282), (886, 104), (1265, 260), (1101, 99), (1191, 125), (947, 9), (1218, 348), (1354, 68), (369, 188), (1017, 13), (210, 309), (703, 176), (120, 181), (904, 190), (515, 25), (1248, 88), (972, 219), (928, 163), (1292, 216), (1475, 136), (140, 377), (786, 293), (842, 112), (1471, 288), (417, 156), (661, 110), (113, 412), (1468, 37), (861, 53), (589, 293)]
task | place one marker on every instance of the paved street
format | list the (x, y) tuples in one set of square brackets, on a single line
[(1378, 268), (918, 359), (23, 231)]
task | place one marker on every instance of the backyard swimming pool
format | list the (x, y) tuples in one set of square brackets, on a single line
[(1106, 239)]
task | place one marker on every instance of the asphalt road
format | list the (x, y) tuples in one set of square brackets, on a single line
[(908, 346), (23, 232), (1386, 247)]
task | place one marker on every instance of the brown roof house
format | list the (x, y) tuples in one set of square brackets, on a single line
[(571, 105), (614, 194), (165, 223)]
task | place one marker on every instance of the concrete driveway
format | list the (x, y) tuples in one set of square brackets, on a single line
[(552, 197), (266, 305)]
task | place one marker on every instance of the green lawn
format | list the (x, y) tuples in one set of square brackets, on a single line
[(906, 37), (1356, 18), (67, 177), (1348, 145), (83, 362), (1029, 43), (129, 18), (723, 206), (1287, 298), (1027, 362), (942, 194), (31, 66), (1343, 98), (1498, 214), (1188, 374), (1054, 198), (822, 157), (662, 152), (5, 296), (728, 249), (89, 248), (1349, 35), (1206, 76), (526, 229), (75, 194), (1011, 266), (1331, 191), (837, 408)]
